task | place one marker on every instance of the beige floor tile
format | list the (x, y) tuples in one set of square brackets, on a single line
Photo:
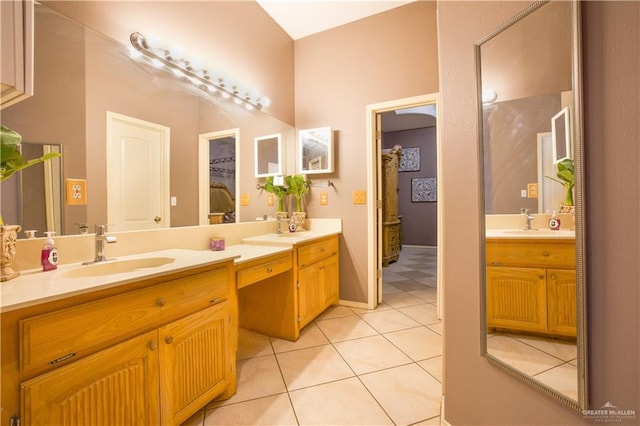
[(345, 402), (425, 314), (434, 421), (335, 312), (196, 420), (390, 289), (563, 378), (520, 356), (312, 366), (428, 294), (401, 300), (418, 343), (251, 344), (346, 328), (371, 354), (271, 410), (436, 327), (391, 320), (309, 336), (407, 393), (433, 367), (257, 377), (563, 349)]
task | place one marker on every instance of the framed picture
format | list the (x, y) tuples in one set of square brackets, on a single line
[(409, 160), (423, 190)]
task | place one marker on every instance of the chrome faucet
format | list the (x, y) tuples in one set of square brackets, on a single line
[(529, 218), (101, 239)]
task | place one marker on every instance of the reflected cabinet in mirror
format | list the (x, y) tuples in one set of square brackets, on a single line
[(533, 305), (315, 150)]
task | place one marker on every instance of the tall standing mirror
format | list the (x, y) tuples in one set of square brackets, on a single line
[(533, 307)]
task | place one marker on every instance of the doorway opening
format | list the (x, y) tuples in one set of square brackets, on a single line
[(218, 171), (405, 122)]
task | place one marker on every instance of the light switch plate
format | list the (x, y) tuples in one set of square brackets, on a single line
[(324, 198), (76, 191), (532, 190), (244, 199), (270, 200), (359, 197)]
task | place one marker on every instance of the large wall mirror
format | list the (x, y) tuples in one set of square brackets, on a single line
[(533, 305), (80, 74)]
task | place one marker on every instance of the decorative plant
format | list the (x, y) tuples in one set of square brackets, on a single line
[(11, 159), (278, 190), (566, 178), (297, 186)]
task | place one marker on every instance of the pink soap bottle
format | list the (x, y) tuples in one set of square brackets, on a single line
[(49, 254)]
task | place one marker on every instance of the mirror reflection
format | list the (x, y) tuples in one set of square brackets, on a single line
[(315, 150), (80, 75), (269, 156), (532, 310)]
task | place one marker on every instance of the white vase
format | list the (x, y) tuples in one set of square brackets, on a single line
[(9, 235)]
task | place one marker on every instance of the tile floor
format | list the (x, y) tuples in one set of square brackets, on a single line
[(350, 366)]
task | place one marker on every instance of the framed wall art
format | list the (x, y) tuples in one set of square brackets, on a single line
[(410, 160), (423, 190)]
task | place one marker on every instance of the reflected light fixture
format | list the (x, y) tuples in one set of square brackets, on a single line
[(488, 96), (161, 57)]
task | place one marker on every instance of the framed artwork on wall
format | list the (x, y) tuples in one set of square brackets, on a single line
[(409, 160), (423, 190)]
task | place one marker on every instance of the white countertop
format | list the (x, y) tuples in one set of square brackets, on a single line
[(288, 238), (35, 286), (530, 234)]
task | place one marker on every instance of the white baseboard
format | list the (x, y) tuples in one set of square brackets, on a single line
[(442, 419), (352, 304)]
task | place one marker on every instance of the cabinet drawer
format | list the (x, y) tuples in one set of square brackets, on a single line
[(531, 253), (313, 252), (265, 270), (67, 334)]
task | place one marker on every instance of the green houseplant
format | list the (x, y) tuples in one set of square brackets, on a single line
[(278, 190), (566, 178), (297, 186), (11, 161)]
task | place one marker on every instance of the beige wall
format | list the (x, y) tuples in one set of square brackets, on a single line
[(477, 392), (338, 73)]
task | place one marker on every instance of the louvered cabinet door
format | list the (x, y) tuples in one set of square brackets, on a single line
[(561, 301), (117, 386), (194, 367)]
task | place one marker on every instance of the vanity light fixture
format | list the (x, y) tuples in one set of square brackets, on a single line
[(182, 68)]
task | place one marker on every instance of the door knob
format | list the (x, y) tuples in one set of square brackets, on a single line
[(157, 219)]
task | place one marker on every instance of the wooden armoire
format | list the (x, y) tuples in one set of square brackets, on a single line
[(391, 224)]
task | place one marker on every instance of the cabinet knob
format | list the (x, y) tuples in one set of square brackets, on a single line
[(545, 253), (541, 277), (269, 269), (153, 345), (161, 303), (168, 340), (553, 276)]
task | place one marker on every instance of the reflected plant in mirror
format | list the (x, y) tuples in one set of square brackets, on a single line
[(533, 309)]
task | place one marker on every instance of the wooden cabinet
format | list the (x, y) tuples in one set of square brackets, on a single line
[(16, 36), (150, 352), (531, 286), (279, 295), (391, 225)]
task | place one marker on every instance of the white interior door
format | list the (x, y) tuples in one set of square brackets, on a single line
[(137, 174)]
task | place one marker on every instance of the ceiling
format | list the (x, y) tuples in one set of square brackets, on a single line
[(300, 18)]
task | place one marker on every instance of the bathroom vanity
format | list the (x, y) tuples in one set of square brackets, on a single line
[(531, 282)]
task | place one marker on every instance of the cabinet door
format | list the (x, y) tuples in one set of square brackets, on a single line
[(330, 281), (516, 298), (16, 67), (194, 367), (310, 293), (117, 386), (561, 301)]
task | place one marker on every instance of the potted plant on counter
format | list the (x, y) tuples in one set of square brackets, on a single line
[(297, 186), (280, 191), (11, 161), (566, 178)]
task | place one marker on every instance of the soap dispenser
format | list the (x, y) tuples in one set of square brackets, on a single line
[(49, 255)]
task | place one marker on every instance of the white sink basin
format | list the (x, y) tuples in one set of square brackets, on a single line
[(111, 267)]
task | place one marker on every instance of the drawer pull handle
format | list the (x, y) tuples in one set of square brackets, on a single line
[(214, 301), (169, 340), (161, 303), (269, 269), (62, 358), (153, 345), (541, 277), (545, 253)]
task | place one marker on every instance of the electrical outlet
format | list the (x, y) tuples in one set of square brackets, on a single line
[(324, 198), (359, 197), (270, 200), (532, 190), (523, 193), (174, 201), (244, 199), (76, 191)]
